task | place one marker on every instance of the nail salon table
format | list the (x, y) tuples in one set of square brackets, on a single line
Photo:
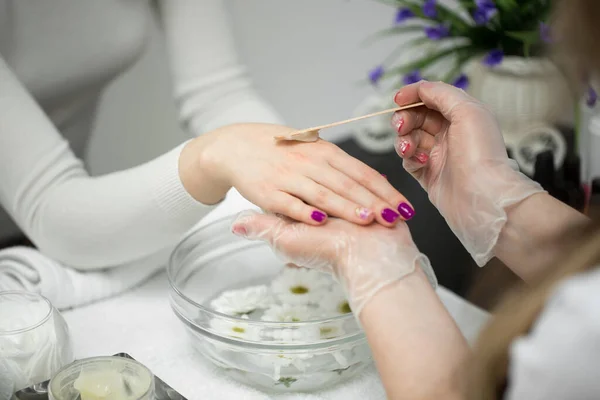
[(142, 324)]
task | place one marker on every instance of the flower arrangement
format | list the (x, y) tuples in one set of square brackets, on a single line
[(295, 295), (486, 29)]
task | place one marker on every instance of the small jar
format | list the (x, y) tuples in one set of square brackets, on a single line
[(34, 339), (114, 378)]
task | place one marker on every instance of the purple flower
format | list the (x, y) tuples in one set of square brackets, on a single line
[(545, 33), (493, 58), (375, 74), (413, 77), (403, 14), (430, 8), (592, 97), (485, 11), (437, 32), (462, 82)]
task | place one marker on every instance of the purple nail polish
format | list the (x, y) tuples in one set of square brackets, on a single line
[(318, 216), (406, 211), (389, 215)]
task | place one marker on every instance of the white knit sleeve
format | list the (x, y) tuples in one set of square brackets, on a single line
[(211, 86), (560, 358), (83, 221)]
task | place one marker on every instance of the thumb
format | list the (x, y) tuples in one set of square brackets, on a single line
[(443, 98), (295, 242), (256, 226)]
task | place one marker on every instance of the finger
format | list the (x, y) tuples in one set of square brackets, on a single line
[(399, 206), (347, 187), (292, 239), (280, 202), (437, 96), (430, 121), (408, 146), (416, 162), (326, 199)]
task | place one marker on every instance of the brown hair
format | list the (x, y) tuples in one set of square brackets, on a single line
[(576, 28), (576, 25), (515, 316)]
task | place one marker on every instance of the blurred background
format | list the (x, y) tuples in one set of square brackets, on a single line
[(307, 58)]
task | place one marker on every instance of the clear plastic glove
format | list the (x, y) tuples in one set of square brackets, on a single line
[(363, 259), (455, 149)]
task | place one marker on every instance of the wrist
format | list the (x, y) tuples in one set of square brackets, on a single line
[(477, 211), (201, 172)]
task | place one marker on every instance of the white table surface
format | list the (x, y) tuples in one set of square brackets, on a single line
[(142, 324)]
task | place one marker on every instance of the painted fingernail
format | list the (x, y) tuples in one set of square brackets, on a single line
[(389, 215), (239, 230), (396, 96), (397, 122), (403, 146), (422, 157), (363, 213), (406, 211), (318, 216)]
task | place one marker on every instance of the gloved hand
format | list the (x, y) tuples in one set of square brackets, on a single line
[(455, 149), (363, 259)]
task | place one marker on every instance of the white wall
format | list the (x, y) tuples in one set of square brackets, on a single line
[(306, 57)]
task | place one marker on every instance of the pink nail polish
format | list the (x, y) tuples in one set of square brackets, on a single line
[(318, 216), (403, 146), (422, 157), (397, 122), (239, 231), (363, 213)]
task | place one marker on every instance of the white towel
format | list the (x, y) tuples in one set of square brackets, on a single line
[(23, 268)]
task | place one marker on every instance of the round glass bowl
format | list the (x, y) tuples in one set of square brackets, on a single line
[(103, 378), (34, 339), (277, 356)]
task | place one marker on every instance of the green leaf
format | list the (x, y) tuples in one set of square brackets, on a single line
[(460, 63), (425, 61), (396, 30), (527, 37), (507, 5), (445, 14), (286, 381), (404, 47)]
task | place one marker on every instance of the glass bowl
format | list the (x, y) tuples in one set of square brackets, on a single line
[(103, 377), (34, 339), (277, 356)]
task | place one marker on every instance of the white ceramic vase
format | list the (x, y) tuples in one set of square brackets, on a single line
[(529, 96)]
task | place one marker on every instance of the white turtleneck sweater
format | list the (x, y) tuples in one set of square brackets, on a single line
[(57, 57)]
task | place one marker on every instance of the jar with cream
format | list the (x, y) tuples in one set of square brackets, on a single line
[(103, 378)]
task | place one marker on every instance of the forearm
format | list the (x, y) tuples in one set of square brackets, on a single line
[(419, 350), (104, 221), (211, 86), (533, 235)]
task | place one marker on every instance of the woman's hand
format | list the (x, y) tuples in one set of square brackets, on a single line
[(455, 149), (304, 181), (364, 259)]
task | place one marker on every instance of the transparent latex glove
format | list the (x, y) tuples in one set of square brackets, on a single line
[(363, 259), (455, 149)]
